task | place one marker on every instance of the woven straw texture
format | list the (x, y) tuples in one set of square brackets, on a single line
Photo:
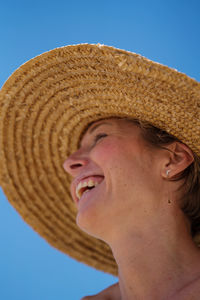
[(46, 105)]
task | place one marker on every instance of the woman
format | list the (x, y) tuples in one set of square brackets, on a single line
[(139, 203), (129, 128)]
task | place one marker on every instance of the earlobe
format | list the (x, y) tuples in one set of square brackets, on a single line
[(180, 157)]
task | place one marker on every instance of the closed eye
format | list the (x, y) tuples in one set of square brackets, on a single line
[(99, 136)]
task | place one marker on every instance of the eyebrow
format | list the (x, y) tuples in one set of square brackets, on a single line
[(97, 125)]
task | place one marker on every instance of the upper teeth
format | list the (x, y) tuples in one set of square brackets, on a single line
[(84, 184)]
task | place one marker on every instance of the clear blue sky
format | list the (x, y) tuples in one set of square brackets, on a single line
[(165, 31)]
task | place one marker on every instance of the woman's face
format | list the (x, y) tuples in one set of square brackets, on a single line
[(115, 150)]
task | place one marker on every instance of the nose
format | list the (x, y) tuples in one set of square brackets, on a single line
[(74, 163)]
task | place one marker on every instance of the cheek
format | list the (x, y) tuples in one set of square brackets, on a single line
[(117, 160), (104, 152)]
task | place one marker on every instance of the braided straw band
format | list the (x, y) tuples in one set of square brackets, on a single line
[(47, 104)]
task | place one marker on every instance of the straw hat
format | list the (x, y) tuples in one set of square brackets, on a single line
[(46, 105)]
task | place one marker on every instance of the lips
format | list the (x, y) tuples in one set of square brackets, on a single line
[(90, 195), (76, 182)]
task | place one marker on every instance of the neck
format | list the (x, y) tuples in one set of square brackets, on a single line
[(157, 263)]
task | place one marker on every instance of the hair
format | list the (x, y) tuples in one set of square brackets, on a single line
[(190, 201)]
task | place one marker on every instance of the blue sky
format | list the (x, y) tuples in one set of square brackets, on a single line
[(164, 31)]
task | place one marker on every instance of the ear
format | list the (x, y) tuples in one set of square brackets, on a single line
[(179, 158)]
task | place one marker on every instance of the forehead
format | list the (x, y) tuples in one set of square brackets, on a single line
[(111, 121)]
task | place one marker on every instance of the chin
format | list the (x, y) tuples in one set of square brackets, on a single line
[(89, 225)]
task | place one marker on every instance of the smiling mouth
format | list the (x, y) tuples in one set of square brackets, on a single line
[(87, 184), (87, 189)]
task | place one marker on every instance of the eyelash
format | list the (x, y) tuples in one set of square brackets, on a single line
[(98, 136)]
